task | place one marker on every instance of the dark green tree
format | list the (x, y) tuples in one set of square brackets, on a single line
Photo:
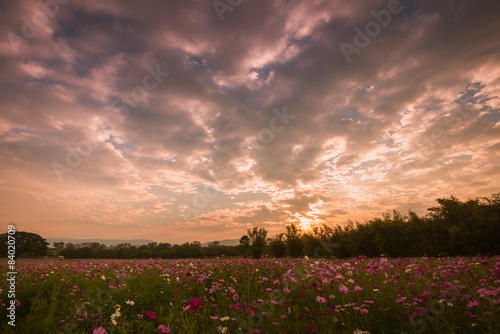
[(27, 245), (277, 246), (257, 238), (294, 240), (244, 245)]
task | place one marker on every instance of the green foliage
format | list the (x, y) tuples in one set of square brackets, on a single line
[(294, 240), (257, 238), (277, 246), (26, 244), (452, 228)]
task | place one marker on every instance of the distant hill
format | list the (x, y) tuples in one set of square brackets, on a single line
[(225, 242), (107, 242)]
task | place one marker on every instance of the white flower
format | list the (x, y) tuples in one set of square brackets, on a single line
[(359, 331), (103, 277), (130, 302), (224, 319), (224, 330)]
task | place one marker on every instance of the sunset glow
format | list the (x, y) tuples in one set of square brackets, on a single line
[(174, 122)]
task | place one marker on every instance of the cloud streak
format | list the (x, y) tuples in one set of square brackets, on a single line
[(412, 117)]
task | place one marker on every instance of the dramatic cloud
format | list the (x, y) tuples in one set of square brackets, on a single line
[(182, 120)]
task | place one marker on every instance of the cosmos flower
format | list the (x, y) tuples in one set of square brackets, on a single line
[(320, 299), (151, 314), (163, 328), (195, 303)]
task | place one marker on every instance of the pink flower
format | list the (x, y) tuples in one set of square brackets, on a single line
[(163, 328), (358, 288), (473, 304), (400, 300), (151, 314), (99, 330), (235, 297), (320, 299), (343, 289)]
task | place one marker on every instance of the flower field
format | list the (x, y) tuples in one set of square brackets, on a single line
[(407, 295)]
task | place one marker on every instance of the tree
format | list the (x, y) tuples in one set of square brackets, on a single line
[(244, 245), (277, 246), (27, 244), (213, 249), (294, 240), (257, 238)]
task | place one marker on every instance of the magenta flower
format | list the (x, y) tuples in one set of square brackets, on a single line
[(400, 300), (235, 297), (310, 328), (163, 328), (195, 303), (151, 314)]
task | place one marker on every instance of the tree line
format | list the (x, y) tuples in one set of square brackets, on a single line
[(453, 227)]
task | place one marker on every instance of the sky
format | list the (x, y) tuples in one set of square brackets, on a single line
[(190, 120)]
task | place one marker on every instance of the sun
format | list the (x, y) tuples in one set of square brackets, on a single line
[(313, 213), (305, 223)]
